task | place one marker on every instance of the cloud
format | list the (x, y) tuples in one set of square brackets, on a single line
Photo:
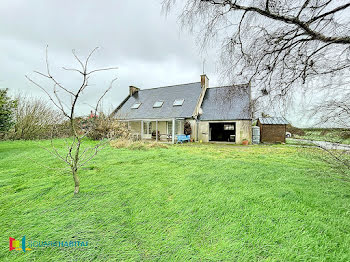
[(149, 48)]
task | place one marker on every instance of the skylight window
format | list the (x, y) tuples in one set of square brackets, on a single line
[(178, 102), (158, 104), (136, 105)]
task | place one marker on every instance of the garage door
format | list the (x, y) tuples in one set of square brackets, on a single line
[(222, 132)]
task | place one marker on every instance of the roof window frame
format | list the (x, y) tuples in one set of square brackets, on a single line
[(158, 106), (136, 105), (178, 100)]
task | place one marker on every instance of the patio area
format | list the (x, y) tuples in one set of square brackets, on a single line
[(159, 130)]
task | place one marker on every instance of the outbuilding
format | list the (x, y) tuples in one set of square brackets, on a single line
[(272, 129)]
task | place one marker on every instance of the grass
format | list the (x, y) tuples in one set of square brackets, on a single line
[(185, 202), (335, 135), (296, 142)]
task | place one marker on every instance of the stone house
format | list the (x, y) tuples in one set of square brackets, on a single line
[(215, 114)]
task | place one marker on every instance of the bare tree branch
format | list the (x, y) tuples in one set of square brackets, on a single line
[(102, 69), (106, 91), (280, 47), (74, 158)]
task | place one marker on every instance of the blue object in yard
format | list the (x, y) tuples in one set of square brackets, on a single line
[(183, 138)]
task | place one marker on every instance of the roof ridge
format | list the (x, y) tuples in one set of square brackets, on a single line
[(273, 120), (272, 117), (169, 86), (239, 85)]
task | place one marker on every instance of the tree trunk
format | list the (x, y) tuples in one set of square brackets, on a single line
[(76, 181)]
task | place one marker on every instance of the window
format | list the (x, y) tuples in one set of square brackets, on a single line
[(147, 127), (158, 104), (178, 102), (169, 127), (229, 127), (136, 105), (150, 128)]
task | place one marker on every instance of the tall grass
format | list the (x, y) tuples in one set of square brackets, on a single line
[(186, 202)]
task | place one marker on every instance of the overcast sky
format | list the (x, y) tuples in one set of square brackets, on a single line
[(149, 48)]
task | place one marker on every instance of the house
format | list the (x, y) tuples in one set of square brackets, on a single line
[(215, 114), (272, 129)]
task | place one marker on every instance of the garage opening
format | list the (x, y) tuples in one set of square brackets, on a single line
[(222, 132)]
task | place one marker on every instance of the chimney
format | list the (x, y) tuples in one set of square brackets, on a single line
[(204, 85), (204, 81), (133, 90)]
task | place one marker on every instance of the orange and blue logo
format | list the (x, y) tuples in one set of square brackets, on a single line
[(17, 245), (24, 246)]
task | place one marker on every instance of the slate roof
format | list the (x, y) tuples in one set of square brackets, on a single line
[(226, 103), (273, 121), (147, 97)]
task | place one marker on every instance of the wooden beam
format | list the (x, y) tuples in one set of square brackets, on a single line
[(156, 130), (141, 129), (173, 132)]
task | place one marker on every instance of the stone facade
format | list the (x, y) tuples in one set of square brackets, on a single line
[(243, 130)]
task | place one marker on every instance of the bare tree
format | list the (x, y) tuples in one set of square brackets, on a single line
[(333, 111), (277, 45), (74, 157)]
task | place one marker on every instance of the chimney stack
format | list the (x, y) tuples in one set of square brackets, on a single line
[(133, 90), (204, 81)]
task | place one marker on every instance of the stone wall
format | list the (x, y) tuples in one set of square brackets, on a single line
[(243, 130)]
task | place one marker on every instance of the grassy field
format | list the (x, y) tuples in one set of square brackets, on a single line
[(188, 202), (327, 134)]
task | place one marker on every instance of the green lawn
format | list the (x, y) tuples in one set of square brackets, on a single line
[(189, 202), (335, 135)]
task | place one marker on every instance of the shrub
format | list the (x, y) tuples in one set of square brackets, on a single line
[(7, 109), (34, 119), (120, 143), (136, 145), (324, 132), (345, 134), (295, 131), (157, 145), (105, 127)]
